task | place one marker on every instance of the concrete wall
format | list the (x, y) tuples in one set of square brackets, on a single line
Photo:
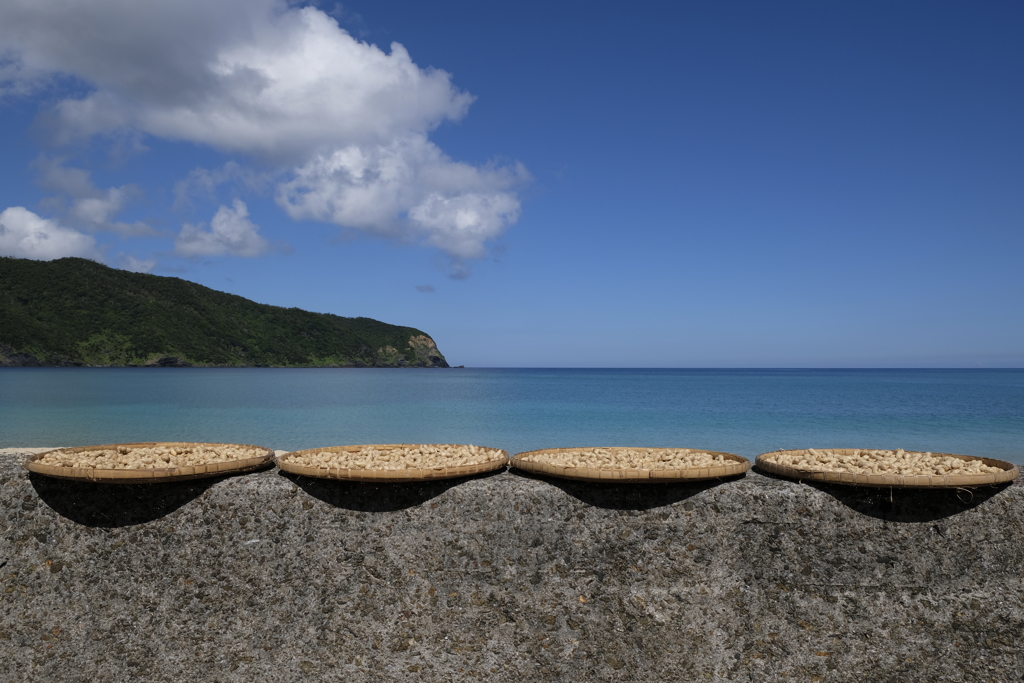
[(506, 578)]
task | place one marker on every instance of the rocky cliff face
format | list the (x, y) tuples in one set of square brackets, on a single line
[(10, 359), (427, 355), (507, 578), (424, 355)]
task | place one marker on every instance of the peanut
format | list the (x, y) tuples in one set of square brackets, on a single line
[(149, 457), (426, 456), (899, 461), (630, 458)]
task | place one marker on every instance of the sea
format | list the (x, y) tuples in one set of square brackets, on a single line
[(972, 412)]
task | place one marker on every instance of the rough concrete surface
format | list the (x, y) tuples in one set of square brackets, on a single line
[(268, 577)]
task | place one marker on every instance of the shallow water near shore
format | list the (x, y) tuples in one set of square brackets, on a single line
[(974, 412)]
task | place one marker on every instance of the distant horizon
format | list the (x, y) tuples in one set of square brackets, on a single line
[(515, 367), (766, 367)]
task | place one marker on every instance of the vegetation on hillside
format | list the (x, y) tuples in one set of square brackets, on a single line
[(74, 311)]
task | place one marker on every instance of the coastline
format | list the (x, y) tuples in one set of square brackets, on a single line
[(177, 363)]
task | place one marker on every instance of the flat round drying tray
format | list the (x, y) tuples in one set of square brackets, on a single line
[(928, 481), (525, 461), (150, 475), (388, 476)]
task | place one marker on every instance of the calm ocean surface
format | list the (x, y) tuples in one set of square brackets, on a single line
[(977, 412)]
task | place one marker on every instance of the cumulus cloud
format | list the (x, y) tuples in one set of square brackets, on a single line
[(406, 189), (231, 233), (24, 234), (280, 81), (97, 212), (204, 182), (91, 208), (344, 121), (136, 265), (425, 289), (19, 80), (54, 176)]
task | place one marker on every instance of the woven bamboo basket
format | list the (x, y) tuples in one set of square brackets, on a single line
[(387, 476), (737, 465), (151, 475), (925, 481)]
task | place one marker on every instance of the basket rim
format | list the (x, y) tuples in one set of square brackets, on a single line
[(151, 475), (388, 476), (918, 481), (738, 466)]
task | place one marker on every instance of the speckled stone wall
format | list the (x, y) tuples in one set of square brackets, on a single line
[(506, 578)]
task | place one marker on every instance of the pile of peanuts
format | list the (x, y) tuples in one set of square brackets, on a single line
[(899, 461), (630, 458), (150, 457), (397, 458)]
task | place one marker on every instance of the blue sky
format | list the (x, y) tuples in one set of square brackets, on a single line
[(797, 184)]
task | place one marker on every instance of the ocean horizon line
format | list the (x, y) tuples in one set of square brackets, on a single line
[(795, 368)]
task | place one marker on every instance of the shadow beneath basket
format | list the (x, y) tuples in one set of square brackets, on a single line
[(117, 505), (909, 506), (635, 496), (359, 496)]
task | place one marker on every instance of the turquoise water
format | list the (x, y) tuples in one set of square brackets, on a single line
[(978, 412)]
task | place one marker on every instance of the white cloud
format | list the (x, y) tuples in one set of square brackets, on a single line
[(231, 233), (91, 208), (18, 79), (26, 235), (96, 213), (136, 265), (245, 75), (53, 175), (204, 183), (459, 224), (287, 84), (409, 190)]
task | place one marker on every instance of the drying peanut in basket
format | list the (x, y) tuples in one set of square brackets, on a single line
[(398, 458), (149, 457), (898, 462), (630, 458)]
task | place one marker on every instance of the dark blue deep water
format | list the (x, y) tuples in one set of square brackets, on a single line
[(976, 412)]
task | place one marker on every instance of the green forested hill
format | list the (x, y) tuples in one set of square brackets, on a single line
[(73, 311)]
